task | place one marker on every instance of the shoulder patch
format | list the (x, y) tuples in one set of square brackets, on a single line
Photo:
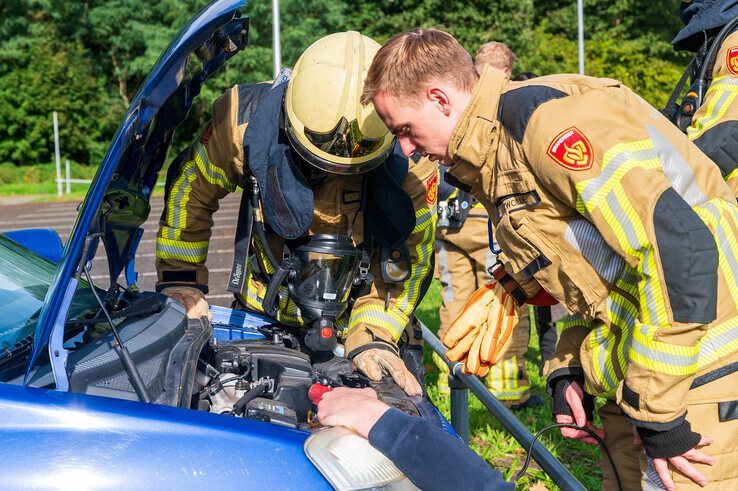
[(206, 133), (431, 190), (571, 150), (517, 106), (731, 60)]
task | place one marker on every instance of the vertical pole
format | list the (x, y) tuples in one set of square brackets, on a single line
[(459, 407), (69, 185), (580, 34), (58, 155), (276, 41)]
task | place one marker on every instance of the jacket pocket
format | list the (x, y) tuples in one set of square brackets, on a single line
[(532, 252)]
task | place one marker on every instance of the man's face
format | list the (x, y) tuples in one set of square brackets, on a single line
[(424, 125)]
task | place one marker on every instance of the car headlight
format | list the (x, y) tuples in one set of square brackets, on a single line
[(349, 462)]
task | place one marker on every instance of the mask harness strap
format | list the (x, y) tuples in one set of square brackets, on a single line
[(695, 95), (244, 229)]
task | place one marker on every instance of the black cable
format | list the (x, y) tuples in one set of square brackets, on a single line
[(577, 427), (240, 405)]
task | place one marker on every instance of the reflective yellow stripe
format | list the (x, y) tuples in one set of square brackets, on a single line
[(178, 197), (191, 252), (616, 163), (425, 225), (631, 235), (213, 174), (719, 341), (722, 92), (602, 343), (661, 357), (392, 320), (731, 175), (262, 256), (503, 380), (573, 320), (396, 317)]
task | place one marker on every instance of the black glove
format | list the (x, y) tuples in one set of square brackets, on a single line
[(557, 389)]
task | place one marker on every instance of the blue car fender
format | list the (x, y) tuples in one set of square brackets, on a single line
[(55, 439)]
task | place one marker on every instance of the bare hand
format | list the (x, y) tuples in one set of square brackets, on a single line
[(356, 409), (193, 300), (574, 397), (682, 464), (377, 362)]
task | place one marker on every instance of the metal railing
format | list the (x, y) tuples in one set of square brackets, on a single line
[(460, 385)]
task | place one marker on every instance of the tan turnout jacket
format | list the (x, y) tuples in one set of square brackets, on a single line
[(601, 201), (212, 167)]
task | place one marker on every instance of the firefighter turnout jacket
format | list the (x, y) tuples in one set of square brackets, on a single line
[(715, 124), (212, 167), (606, 205)]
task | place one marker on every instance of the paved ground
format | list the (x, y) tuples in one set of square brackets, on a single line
[(61, 216)]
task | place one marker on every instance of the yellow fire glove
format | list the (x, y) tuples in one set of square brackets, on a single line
[(377, 362), (483, 330)]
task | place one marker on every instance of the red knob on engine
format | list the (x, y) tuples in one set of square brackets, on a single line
[(315, 394)]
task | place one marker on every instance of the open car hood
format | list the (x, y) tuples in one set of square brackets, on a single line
[(117, 203)]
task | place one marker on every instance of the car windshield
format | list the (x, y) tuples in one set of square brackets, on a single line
[(24, 280)]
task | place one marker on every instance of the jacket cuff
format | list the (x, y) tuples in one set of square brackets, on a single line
[(161, 286), (557, 385), (375, 345), (362, 337), (669, 443)]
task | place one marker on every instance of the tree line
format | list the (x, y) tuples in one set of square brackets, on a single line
[(86, 59)]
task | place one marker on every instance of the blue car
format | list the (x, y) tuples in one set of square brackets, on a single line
[(161, 401)]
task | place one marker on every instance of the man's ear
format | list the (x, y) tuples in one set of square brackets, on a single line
[(439, 96)]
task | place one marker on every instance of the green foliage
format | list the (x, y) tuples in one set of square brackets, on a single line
[(86, 59)]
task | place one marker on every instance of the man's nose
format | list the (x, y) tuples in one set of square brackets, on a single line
[(407, 147)]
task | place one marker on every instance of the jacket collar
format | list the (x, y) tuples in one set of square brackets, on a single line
[(475, 134)]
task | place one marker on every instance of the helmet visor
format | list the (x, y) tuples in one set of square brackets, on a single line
[(344, 140)]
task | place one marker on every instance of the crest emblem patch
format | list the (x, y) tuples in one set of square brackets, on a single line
[(206, 133), (731, 60), (431, 190), (571, 150)]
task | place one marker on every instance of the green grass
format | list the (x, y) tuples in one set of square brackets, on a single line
[(490, 440), (39, 181)]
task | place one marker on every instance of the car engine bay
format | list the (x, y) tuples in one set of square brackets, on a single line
[(242, 364)]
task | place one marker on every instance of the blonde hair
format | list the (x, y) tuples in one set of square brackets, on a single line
[(495, 54), (413, 58)]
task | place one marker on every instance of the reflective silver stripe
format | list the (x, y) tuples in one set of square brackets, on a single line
[(712, 348), (445, 273), (613, 166), (722, 236), (586, 239), (658, 356), (635, 244), (676, 169)]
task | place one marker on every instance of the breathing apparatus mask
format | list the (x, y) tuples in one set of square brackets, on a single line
[(320, 272)]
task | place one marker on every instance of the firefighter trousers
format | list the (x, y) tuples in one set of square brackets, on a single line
[(715, 417)]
